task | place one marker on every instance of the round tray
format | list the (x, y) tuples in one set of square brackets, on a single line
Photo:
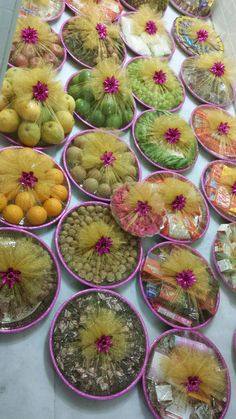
[(173, 3), (49, 18)]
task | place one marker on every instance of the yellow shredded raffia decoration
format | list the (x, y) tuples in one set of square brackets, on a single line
[(228, 176), (198, 25), (181, 260), (144, 192), (97, 145), (206, 62), (170, 188), (147, 69), (215, 117), (14, 162), (187, 361), (166, 122), (103, 322), (144, 14)]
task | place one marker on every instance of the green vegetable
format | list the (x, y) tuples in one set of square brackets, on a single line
[(74, 91), (114, 121), (97, 118), (87, 93), (82, 107), (108, 106), (83, 76)]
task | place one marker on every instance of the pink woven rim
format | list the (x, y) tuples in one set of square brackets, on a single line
[(168, 34), (172, 2), (213, 153), (56, 218), (152, 161), (77, 277), (221, 275), (173, 174), (152, 107), (46, 312), (93, 126), (226, 217), (88, 396), (82, 63), (162, 318), (223, 106), (207, 342), (84, 132)]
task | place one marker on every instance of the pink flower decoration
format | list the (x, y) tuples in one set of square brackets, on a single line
[(159, 77), (143, 208), (103, 246), (218, 69), (29, 35), (111, 85), (193, 384), (108, 158), (10, 277), (40, 91), (223, 128), (179, 203), (151, 27), (172, 135), (186, 279), (104, 343), (202, 35), (101, 30), (28, 179)]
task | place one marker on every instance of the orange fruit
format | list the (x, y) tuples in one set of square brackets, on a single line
[(53, 207), (59, 192), (56, 175), (36, 215), (25, 200), (3, 201), (13, 214)]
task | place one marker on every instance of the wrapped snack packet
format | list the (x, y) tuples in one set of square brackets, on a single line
[(45, 9), (34, 109), (111, 8), (197, 8), (35, 44), (179, 286), (166, 140), (90, 38), (103, 96), (210, 77), (186, 377), (144, 33), (138, 208), (158, 6), (215, 129), (196, 36), (154, 84), (224, 254)]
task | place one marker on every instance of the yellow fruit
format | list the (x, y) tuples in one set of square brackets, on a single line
[(53, 207), (28, 110), (60, 192), (11, 72), (66, 120), (24, 200), (3, 102), (13, 214), (7, 89), (29, 133), (70, 103), (52, 132), (36, 215), (3, 201), (56, 175), (9, 121)]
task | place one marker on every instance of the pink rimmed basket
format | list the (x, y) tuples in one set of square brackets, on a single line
[(213, 153), (172, 42), (223, 215), (76, 12), (172, 2), (148, 158), (201, 339), (65, 381), (80, 62), (204, 230), (54, 220), (77, 277), (158, 315), (93, 126), (56, 264), (221, 274), (76, 183), (194, 94), (152, 107), (50, 19)]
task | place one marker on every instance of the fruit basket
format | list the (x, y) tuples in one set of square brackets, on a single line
[(94, 249), (111, 8), (197, 8), (104, 335), (159, 6), (45, 9), (98, 162), (30, 280), (179, 286)]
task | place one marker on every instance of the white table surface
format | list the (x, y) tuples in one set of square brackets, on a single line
[(29, 387)]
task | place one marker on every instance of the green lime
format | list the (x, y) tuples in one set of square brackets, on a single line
[(108, 106), (83, 76), (87, 93), (127, 116), (97, 118), (45, 114), (82, 107), (74, 91), (75, 80), (114, 121)]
